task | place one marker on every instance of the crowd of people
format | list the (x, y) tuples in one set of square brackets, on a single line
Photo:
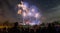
[(50, 28)]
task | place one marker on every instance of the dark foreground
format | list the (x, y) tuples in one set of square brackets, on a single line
[(50, 28)]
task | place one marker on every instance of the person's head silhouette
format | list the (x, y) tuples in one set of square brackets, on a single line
[(16, 24)]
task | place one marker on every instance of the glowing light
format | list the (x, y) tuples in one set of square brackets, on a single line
[(27, 22), (31, 24), (19, 11), (21, 2), (33, 10), (19, 5), (24, 14), (29, 13), (24, 7), (37, 15), (24, 24)]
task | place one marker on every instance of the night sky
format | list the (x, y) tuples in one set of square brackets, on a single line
[(50, 9)]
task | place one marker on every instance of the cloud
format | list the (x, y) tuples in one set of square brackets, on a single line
[(54, 15)]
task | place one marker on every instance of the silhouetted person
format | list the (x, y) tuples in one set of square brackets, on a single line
[(26, 30), (5, 30), (15, 29), (31, 31), (51, 28), (0, 31), (38, 30), (58, 28)]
